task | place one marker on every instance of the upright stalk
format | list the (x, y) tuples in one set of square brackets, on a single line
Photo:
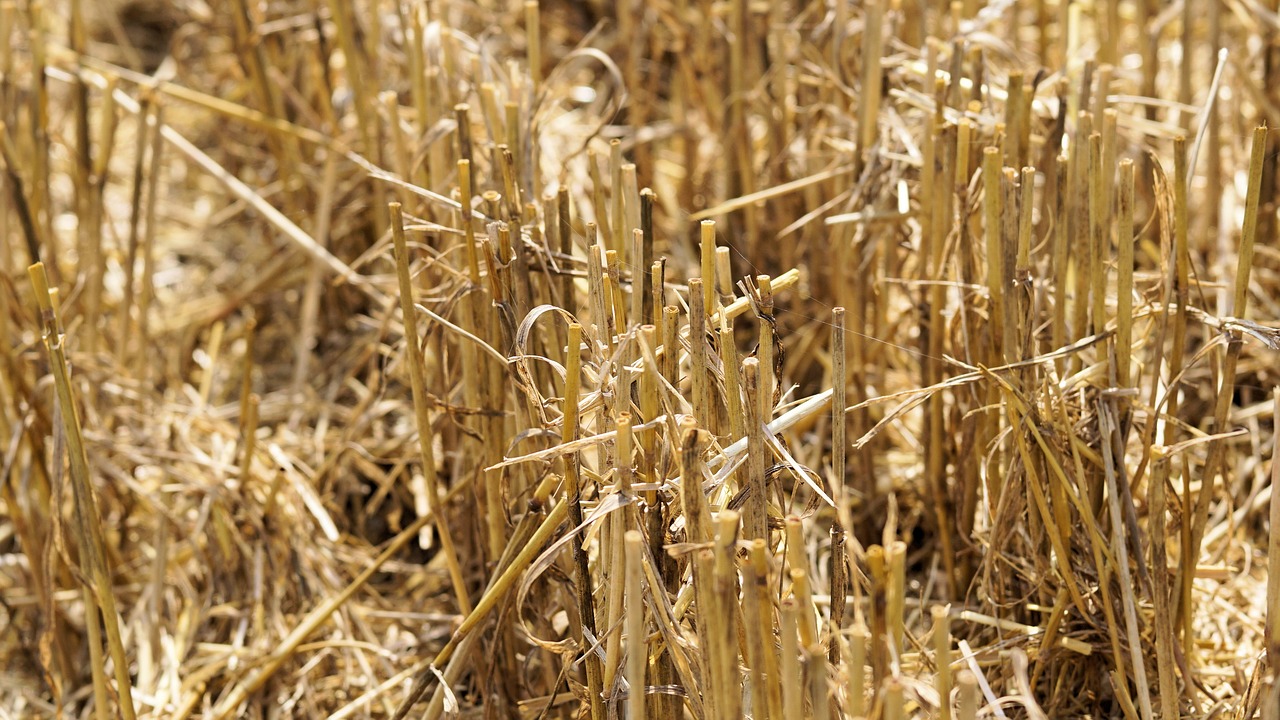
[(421, 411)]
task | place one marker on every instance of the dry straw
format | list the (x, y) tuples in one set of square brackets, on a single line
[(704, 360)]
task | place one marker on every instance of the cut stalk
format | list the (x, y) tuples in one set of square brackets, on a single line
[(573, 483), (1227, 378), (596, 292), (894, 700), (1061, 259), (637, 645), (808, 624), (839, 418), (995, 253), (1097, 282), (896, 598), (755, 510), (617, 200), (757, 614), (792, 685), (533, 34), (770, 375), (815, 664), (643, 277), (1014, 153), (568, 299), (732, 381), (670, 360), (968, 685), (942, 659), (856, 701), (708, 250), (698, 529), (722, 616), (422, 415), (699, 368), (839, 443), (872, 52), (724, 274), (880, 638), (1079, 229), (620, 523), (1124, 277)]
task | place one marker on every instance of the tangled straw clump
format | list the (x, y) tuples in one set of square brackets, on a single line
[(676, 359)]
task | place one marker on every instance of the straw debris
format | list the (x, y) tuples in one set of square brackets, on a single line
[(619, 359)]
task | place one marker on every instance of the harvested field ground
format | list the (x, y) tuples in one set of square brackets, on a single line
[(617, 359)]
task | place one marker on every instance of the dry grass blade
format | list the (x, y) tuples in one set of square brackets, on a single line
[(90, 540)]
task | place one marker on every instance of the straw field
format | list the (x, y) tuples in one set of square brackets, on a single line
[(619, 359)]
